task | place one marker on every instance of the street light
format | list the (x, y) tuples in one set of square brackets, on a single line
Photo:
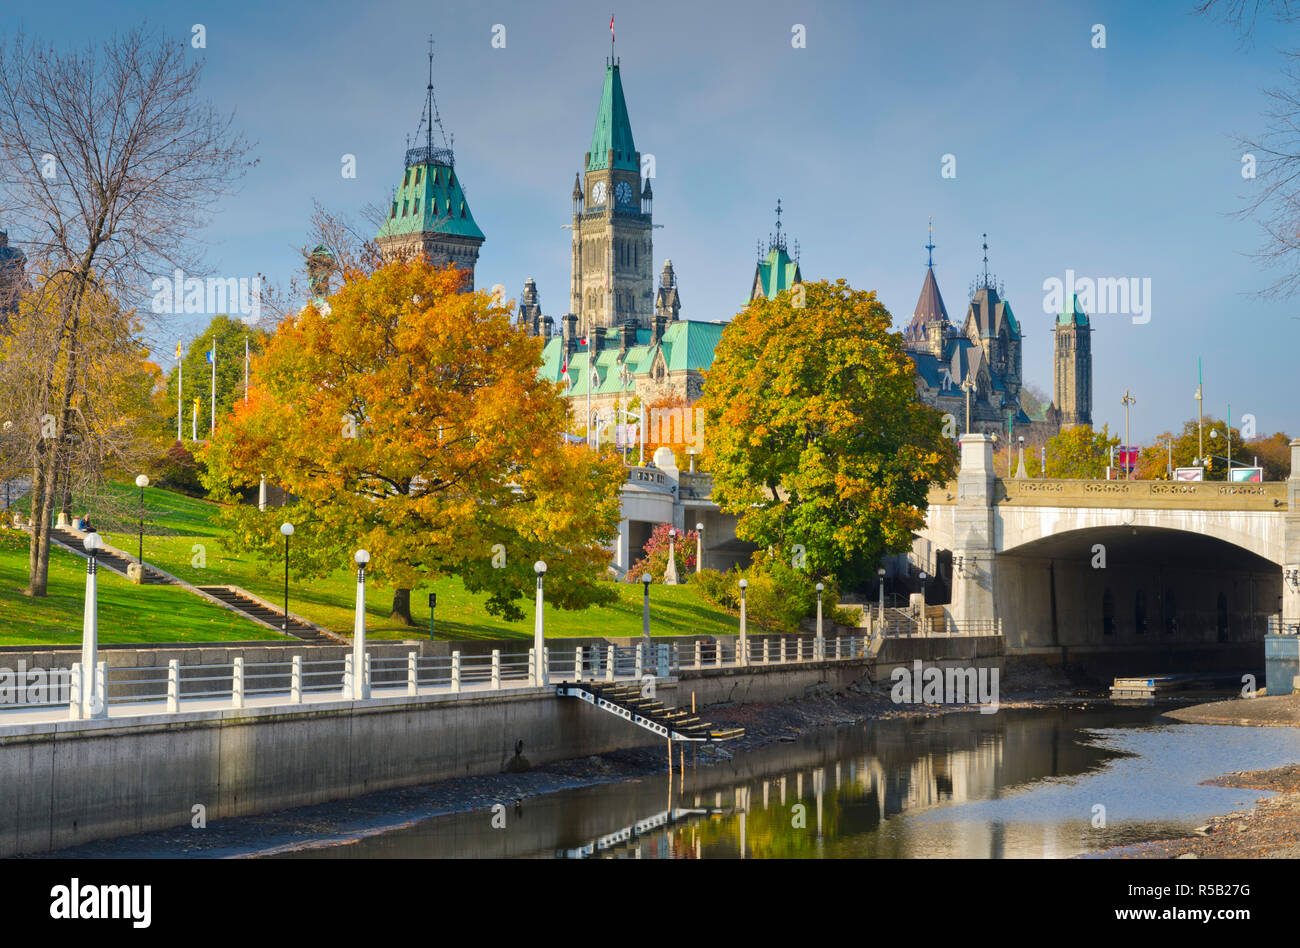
[(287, 530), (539, 643), (93, 704), (646, 580), (743, 657), (880, 573), (360, 683), (699, 547), (820, 649), (1127, 401), (142, 481)]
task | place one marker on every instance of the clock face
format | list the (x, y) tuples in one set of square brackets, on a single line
[(623, 192), (598, 193)]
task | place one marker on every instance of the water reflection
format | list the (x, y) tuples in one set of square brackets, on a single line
[(1019, 783)]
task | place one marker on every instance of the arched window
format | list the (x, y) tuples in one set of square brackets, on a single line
[(1140, 611), (1108, 612), (1223, 616)]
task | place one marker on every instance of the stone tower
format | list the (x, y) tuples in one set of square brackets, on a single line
[(1072, 379), (429, 213), (613, 276)]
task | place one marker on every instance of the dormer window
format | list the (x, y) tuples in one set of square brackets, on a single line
[(406, 207), (406, 178), (417, 206), (417, 174)]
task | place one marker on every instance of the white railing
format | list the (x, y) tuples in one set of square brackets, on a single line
[(293, 681)]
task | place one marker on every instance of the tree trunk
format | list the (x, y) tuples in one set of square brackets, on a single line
[(402, 606), (36, 578)]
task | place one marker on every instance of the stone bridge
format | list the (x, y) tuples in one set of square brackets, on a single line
[(1115, 566)]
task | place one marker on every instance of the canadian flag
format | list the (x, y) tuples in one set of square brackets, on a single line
[(611, 27)]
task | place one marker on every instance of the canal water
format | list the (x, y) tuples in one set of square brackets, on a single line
[(1019, 783)]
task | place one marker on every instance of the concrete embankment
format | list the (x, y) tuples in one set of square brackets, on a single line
[(71, 782)]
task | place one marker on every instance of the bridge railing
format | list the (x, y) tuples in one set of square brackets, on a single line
[(1276, 626), (207, 686)]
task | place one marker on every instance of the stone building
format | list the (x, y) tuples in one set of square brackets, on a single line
[(429, 212)]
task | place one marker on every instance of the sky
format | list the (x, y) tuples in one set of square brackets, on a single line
[(1114, 162)]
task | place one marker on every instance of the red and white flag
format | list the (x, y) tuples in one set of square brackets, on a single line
[(611, 27)]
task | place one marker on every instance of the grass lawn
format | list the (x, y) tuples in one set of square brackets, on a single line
[(127, 612), (178, 523)]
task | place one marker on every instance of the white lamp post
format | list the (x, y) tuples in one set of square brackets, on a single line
[(670, 574), (821, 641), (93, 704), (287, 530), (540, 676), (880, 573), (360, 683), (743, 657), (699, 547), (142, 481)]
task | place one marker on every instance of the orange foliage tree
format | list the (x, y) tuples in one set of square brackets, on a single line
[(407, 418)]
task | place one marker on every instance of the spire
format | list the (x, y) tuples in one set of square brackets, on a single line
[(930, 246), (986, 280), (577, 186), (929, 306), (613, 132), (429, 117)]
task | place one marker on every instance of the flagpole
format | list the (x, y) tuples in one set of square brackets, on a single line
[(245, 369), (180, 392), (212, 425)]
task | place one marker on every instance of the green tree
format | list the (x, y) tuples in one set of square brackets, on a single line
[(197, 382), (1153, 461), (814, 434), (1079, 452)]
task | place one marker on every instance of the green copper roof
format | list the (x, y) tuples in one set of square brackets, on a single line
[(430, 200), (777, 273), (686, 345), (613, 130), (1071, 313)]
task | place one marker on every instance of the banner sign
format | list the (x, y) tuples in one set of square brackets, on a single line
[(1246, 475), (1189, 473)]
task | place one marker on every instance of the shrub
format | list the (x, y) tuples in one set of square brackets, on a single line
[(655, 560), (778, 598), (179, 470)]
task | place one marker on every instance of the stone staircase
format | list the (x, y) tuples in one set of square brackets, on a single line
[(231, 597)]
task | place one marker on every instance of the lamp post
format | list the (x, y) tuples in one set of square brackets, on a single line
[(1126, 401), (93, 704), (880, 574), (539, 643), (1020, 468), (360, 683), (691, 453), (142, 481), (699, 547), (670, 573), (287, 530), (820, 650), (646, 580), (742, 658)]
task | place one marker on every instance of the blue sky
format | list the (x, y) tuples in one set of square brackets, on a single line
[(1115, 162)]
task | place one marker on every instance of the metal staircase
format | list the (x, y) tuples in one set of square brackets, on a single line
[(625, 701)]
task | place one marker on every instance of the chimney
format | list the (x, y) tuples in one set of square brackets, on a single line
[(571, 333), (934, 335), (597, 341), (628, 334), (548, 327), (661, 324)]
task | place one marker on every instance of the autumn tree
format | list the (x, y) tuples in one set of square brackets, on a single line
[(813, 431), (410, 420), (229, 336), (1213, 434), (109, 163), (1080, 452)]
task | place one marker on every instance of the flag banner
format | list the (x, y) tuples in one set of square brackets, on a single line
[(1246, 475), (1126, 457), (1189, 473), (178, 352), (625, 436), (611, 27), (209, 355)]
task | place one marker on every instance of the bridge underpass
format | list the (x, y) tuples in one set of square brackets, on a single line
[(1183, 601), (1195, 574)]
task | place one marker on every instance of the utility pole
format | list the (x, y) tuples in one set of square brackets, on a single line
[(1127, 400)]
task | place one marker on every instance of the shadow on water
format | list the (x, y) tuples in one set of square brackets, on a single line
[(1021, 783)]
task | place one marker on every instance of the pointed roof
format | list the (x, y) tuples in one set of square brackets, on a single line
[(1072, 313), (774, 275), (613, 130), (929, 307), (429, 200)]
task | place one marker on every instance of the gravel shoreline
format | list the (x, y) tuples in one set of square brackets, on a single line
[(1270, 829)]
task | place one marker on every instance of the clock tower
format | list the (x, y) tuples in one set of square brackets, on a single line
[(613, 280)]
